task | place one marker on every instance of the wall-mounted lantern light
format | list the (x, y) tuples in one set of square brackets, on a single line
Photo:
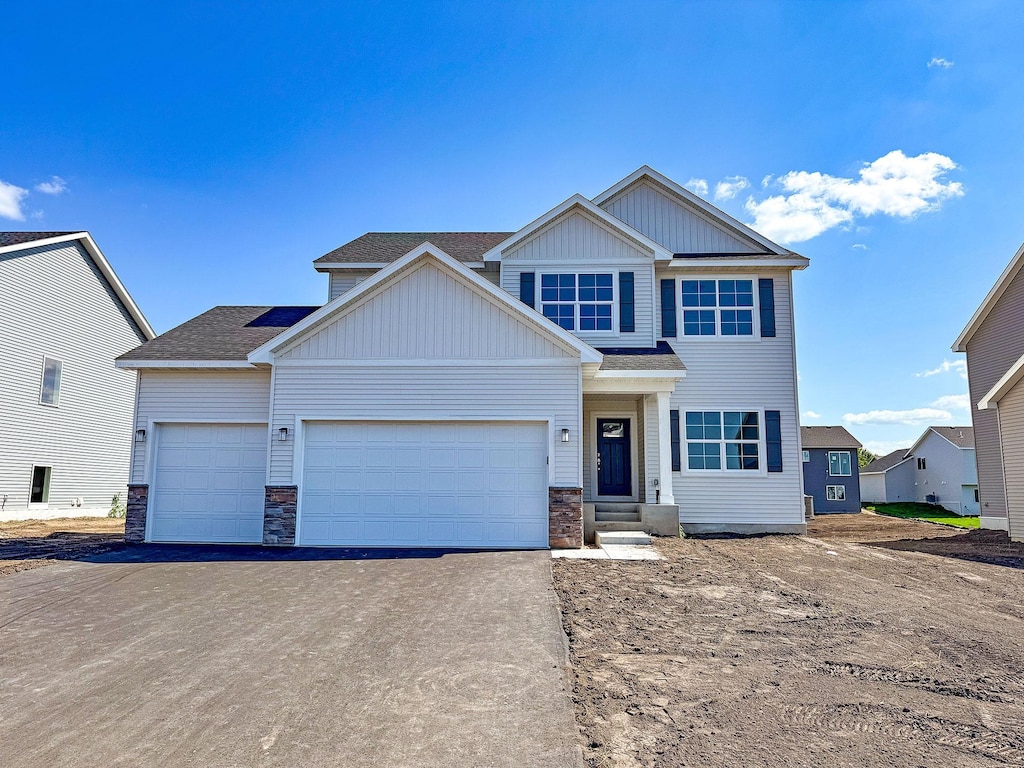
[(565, 435), (140, 435), (282, 434)]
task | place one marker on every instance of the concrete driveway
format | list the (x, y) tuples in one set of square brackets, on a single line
[(242, 657)]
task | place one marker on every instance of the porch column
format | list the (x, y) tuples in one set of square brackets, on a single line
[(664, 448)]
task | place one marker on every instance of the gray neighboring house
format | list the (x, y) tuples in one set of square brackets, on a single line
[(938, 469), (831, 472), (994, 343), (67, 411)]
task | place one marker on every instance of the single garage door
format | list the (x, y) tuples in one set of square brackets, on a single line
[(208, 483), (451, 484)]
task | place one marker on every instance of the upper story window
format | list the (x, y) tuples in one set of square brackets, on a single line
[(578, 301), (839, 464), (806, 456), (718, 307), (727, 440), (921, 463), (49, 391)]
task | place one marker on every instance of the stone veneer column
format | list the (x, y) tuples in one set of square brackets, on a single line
[(135, 516), (565, 518), (279, 514)]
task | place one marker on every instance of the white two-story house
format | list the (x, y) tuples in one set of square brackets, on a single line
[(624, 358)]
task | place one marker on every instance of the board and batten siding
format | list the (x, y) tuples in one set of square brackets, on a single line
[(54, 302), (209, 396), (1011, 417), (438, 392), (995, 346), (735, 374), (680, 229)]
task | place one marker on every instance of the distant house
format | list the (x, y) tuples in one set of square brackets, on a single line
[(938, 469), (994, 343), (66, 414), (831, 473)]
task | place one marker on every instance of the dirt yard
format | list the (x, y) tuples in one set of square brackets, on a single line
[(873, 641), (28, 544)]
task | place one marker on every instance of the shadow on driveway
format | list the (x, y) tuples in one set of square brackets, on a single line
[(208, 553)]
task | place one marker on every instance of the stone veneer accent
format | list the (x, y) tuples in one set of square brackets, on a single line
[(135, 517), (565, 518), (279, 514)]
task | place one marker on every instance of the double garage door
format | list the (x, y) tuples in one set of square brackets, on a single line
[(416, 484)]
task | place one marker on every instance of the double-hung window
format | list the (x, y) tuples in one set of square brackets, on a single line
[(718, 307), (578, 301), (839, 464), (723, 440)]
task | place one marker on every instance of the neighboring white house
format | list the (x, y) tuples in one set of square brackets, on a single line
[(632, 354), (66, 412), (938, 469)]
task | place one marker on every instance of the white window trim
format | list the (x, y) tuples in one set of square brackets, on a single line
[(805, 456), (40, 504), (42, 381), (576, 304), (762, 468), (848, 474), (834, 488), (755, 309)]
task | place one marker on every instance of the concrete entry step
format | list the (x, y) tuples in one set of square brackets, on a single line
[(619, 538), (602, 516)]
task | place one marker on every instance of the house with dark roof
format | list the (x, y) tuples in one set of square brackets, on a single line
[(66, 414), (625, 361), (831, 472), (938, 469), (994, 344)]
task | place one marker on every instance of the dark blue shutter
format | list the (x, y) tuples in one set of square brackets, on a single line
[(668, 308), (773, 437), (526, 288), (677, 456), (627, 323), (766, 293)]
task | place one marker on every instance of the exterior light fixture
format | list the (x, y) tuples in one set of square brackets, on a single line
[(140, 435), (565, 435), (282, 434)]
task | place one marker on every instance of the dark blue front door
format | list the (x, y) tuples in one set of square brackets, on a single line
[(614, 471)]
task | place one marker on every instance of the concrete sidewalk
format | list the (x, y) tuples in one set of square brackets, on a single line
[(434, 660)]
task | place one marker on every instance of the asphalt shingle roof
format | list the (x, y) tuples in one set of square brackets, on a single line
[(961, 437), (222, 333), (381, 247), (18, 238), (659, 358), (827, 437), (886, 462)]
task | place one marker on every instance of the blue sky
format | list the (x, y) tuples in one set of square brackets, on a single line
[(214, 150)]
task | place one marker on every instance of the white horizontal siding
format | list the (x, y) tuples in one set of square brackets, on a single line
[(427, 313), (732, 374), (673, 225), (943, 474), (342, 280), (199, 396), (54, 302), (431, 392)]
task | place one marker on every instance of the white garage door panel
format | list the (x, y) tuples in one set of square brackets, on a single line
[(208, 483), (452, 484)]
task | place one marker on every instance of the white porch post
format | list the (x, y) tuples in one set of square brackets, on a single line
[(664, 448)]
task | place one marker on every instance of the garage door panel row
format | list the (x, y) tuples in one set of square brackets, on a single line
[(416, 532)]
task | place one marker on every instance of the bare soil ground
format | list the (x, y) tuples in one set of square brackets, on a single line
[(26, 544), (872, 641)]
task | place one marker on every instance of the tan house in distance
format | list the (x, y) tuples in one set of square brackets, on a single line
[(994, 343)]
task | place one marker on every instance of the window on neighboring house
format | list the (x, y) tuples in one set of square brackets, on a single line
[(578, 301), (718, 307), (835, 492), (839, 464), (49, 392), (728, 440), (807, 456), (40, 492), (921, 463), (977, 497)]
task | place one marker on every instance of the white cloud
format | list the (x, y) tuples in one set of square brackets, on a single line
[(697, 186), (10, 201), (54, 186), (893, 185), (953, 402), (766, 181), (912, 416), (859, 247), (730, 186), (885, 447), (938, 61), (811, 415), (960, 366)]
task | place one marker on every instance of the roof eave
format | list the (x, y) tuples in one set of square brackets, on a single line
[(994, 294)]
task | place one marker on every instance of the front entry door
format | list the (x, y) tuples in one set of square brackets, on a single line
[(614, 470)]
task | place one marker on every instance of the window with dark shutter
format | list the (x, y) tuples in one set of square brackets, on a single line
[(773, 439), (668, 309), (677, 454), (766, 296), (627, 323), (527, 290)]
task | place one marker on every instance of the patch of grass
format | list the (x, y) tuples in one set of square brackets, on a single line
[(932, 513)]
